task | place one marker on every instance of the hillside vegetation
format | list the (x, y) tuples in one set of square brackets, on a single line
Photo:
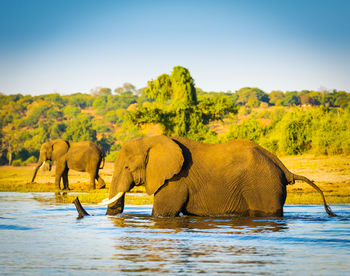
[(286, 123)]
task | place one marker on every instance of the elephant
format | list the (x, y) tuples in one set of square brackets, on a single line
[(187, 177), (82, 156)]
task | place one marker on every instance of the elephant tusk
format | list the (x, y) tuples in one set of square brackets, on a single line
[(107, 201), (42, 165)]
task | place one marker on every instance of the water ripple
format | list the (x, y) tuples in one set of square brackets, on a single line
[(39, 239)]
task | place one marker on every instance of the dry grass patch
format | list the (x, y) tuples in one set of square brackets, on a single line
[(330, 173)]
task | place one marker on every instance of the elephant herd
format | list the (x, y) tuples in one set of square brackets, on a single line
[(186, 177)]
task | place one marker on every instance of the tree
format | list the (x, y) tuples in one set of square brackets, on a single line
[(291, 98), (216, 106), (101, 91), (129, 87), (106, 142), (12, 141), (176, 106), (100, 102), (276, 97), (126, 87), (159, 89), (78, 99), (342, 99), (71, 111), (80, 129), (55, 98), (183, 87), (36, 113), (251, 96)]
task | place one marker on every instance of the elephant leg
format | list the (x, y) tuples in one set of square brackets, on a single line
[(93, 175), (101, 183), (264, 201), (58, 180), (60, 169), (65, 179), (170, 200)]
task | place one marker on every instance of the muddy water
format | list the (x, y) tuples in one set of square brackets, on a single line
[(39, 236)]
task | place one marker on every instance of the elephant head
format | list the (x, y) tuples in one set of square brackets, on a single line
[(146, 161), (52, 151)]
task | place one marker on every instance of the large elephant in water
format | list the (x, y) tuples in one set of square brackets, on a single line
[(80, 156), (235, 178)]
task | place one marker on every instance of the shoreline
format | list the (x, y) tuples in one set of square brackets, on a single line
[(330, 173)]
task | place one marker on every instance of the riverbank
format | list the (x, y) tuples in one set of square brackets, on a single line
[(330, 173)]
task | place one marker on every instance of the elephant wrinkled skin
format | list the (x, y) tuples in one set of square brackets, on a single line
[(235, 178), (80, 156)]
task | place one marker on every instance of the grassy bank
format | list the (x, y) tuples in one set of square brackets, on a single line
[(330, 173)]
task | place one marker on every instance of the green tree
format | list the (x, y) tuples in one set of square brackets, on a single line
[(54, 114), (37, 113), (159, 89), (276, 97), (100, 103), (78, 100), (216, 106), (71, 111), (183, 87), (101, 91), (251, 96), (55, 98), (80, 129), (106, 142), (126, 87), (250, 129), (342, 99), (291, 98)]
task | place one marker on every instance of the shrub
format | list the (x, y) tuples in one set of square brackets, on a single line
[(31, 159), (112, 156), (17, 163)]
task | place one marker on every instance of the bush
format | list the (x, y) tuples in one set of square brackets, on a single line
[(295, 133), (17, 163), (71, 111), (250, 129), (112, 156), (331, 134), (31, 159)]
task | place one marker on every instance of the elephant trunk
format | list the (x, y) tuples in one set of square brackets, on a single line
[(117, 206), (38, 166), (81, 211)]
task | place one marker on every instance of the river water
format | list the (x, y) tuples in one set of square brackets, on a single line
[(39, 236)]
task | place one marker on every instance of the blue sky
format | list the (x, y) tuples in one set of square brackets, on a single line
[(74, 46)]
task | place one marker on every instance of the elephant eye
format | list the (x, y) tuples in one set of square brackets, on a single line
[(126, 167)]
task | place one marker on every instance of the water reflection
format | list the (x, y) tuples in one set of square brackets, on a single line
[(225, 225), (47, 239), (195, 244), (164, 255)]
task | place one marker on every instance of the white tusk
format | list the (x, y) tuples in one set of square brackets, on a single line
[(42, 164), (107, 201)]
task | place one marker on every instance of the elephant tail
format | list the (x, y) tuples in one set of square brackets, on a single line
[(103, 161), (308, 181)]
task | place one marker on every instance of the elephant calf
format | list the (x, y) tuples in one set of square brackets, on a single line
[(235, 178), (80, 156)]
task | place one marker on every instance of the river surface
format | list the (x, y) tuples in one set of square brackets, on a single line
[(39, 236)]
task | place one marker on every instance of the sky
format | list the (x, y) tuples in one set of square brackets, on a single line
[(69, 46)]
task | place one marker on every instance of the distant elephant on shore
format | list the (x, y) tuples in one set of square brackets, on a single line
[(234, 178), (80, 156)]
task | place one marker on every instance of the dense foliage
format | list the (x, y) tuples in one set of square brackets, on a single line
[(291, 122)]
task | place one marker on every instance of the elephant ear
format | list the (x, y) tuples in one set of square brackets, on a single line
[(164, 160), (58, 148), (49, 149)]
